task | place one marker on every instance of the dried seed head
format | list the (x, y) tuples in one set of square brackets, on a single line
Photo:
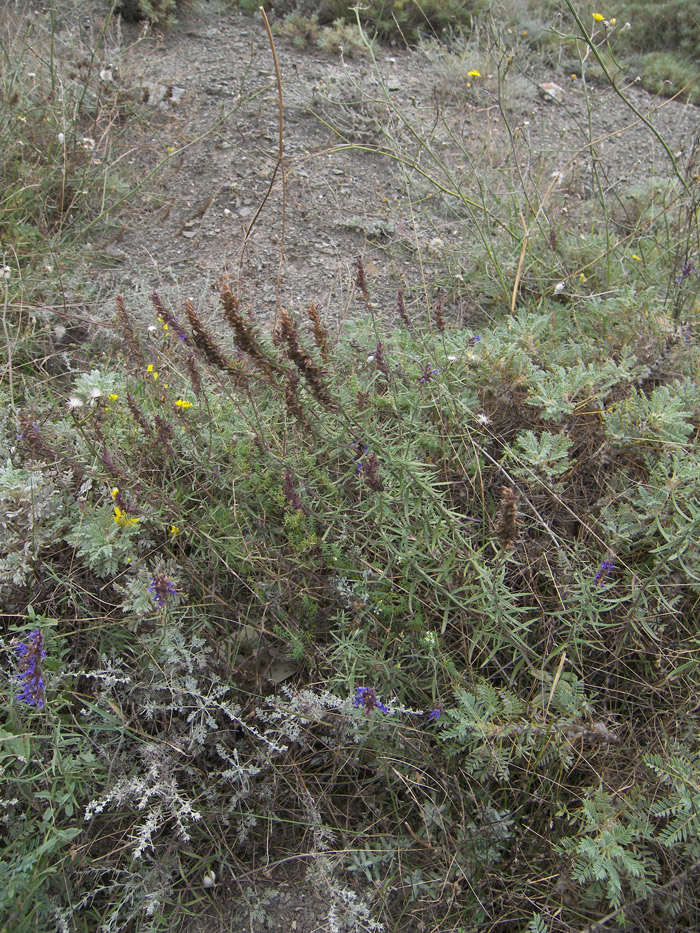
[(291, 400), (507, 524), (168, 318), (291, 494), (112, 467), (361, 281), (193, 373), (164, 434), (438, 317), (206, 343), (34, 440), (380, 361), (304, 362), (370, 472), (128, 332), (401, 310), (320, 332), (244, 335), (137, 414)]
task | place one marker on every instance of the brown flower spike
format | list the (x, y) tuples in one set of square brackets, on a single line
[(507, 524)]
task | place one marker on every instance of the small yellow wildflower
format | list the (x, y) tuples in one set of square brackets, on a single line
[(122, 519), (612, 21), (573, 76), (115, 492), (598, 17), (155, 377), (149, 368), (635, 256), (174, 530), (582, 278), (473, 73), (181, 403), (113, 397)]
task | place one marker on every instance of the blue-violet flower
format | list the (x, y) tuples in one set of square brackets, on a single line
[(366, 697), (31, 653)]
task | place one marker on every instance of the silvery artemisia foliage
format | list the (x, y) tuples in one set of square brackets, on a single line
[(193, 726), (30, 504)]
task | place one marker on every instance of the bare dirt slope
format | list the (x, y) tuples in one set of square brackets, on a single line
[(362, 140)]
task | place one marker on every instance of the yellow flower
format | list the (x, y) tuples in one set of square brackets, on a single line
[(181, 403), (598, 17), (122, 519), (149, 368), (474, 73), (113, 397), (115, 492), (582, 278), (174, 530), (155, 377), (612, 21), (635, 256)]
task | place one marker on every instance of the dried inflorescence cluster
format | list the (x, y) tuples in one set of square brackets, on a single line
[(507, 523), (320, 332), (244, 335), (128, 331), (206, 344), (304, 362)]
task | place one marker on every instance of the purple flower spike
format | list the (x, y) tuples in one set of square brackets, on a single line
[(31, 653), (428, 372), (161, 589), (606, 567), (361, 451), (687, 270), (434, 714), (367, 699)]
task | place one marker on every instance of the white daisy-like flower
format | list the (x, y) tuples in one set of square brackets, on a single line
[(88, 143), (74, 402), (452, 358), (95, 393), (483, 419)]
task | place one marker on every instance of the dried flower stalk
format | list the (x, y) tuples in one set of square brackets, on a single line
[(127, 330), (507, 524), (304, 362)]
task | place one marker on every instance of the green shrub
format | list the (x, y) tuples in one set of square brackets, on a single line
[(160, 12), (662, 26), (667, 74)]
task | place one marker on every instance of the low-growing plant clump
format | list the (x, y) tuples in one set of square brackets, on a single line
[(413, 604)]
